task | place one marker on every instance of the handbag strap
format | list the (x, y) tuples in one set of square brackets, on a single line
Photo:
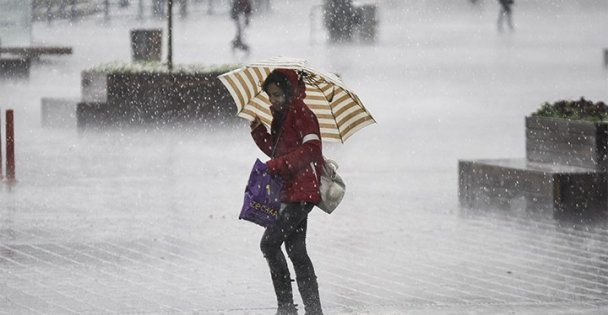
[(330, 167), (276, 143)]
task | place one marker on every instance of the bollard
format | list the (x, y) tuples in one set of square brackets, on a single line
[(605, 58), (10, 149), (1, 173)]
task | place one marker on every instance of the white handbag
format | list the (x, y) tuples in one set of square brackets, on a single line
[(332, 187)]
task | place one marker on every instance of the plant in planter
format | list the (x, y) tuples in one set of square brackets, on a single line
[(574, 110), (573, 133)]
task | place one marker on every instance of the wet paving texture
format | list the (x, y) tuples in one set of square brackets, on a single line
[(369, 260), (146, 222)]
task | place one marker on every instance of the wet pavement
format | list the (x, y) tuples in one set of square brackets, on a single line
[(145, 221), (168, 251)]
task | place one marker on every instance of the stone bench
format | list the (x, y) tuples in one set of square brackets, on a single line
[(12, 67), (35, 51), (563, 191)]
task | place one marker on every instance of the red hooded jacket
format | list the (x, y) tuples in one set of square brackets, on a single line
[(297, 159)]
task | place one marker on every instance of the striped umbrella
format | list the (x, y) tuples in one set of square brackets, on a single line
[(339, 110)]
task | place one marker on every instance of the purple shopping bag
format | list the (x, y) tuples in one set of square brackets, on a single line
[(262, 196)]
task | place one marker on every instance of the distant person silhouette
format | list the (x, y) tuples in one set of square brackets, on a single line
[(505, 15), (240, 12)]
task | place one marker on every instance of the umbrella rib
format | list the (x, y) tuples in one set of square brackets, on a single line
[(333, 92), (258, 93)]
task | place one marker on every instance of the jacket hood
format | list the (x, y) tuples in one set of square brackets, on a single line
[(298, 88)]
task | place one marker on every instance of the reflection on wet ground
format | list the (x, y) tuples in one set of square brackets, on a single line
[(146, 222)]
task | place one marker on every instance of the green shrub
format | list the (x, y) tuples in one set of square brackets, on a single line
[(574, 110)]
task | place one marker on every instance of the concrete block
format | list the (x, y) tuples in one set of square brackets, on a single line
[(146, 44), (536, 187), (58, 112), (95, 115), (367, 21)]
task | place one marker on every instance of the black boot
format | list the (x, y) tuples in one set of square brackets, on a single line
[(287, 309), (309, 290), (282, 288)]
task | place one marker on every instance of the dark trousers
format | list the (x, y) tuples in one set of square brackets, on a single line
[(238, 41), (290, 229)]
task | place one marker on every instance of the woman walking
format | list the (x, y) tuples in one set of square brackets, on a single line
[(240, 13), (294, 146)]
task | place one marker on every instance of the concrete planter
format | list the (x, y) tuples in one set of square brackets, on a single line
[(94, 86), (567, 142), (155, 98)]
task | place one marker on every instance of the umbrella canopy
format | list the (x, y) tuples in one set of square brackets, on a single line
[(339, 110)]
